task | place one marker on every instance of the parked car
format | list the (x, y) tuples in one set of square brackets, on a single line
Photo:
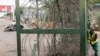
[(11, 27)]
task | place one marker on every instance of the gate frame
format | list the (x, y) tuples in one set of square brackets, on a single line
[(82, 30)]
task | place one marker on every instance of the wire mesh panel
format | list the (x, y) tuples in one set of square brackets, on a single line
[(51, 14), (28, 42), (50, 45)]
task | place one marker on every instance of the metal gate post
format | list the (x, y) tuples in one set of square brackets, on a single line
[(17, 13), (83, 27)]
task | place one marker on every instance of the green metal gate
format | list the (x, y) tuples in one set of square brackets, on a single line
[(81, 30)]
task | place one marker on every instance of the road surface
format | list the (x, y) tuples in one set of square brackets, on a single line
[(7, 40), (8, 43)]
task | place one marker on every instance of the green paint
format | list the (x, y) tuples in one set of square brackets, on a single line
[(51, 31), (17, 13), (83, 26)]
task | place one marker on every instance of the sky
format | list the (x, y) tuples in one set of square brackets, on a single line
[(12, 3)]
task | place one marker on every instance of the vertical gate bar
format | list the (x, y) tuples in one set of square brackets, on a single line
[(38, 44), (86, 27), (18, 45), (17, 12), (83, 27), (38, 35), (37, 9), (54, 43)]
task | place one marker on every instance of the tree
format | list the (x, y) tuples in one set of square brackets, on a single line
[(90, 12), (96, 1), (10, 15), (65, 14), (90, 4)]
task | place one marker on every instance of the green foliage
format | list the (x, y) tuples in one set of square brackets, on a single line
[(21, 10), (9, 14), (96, 1), (90, 4)]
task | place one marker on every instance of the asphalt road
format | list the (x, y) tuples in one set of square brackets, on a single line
[(7, 40)]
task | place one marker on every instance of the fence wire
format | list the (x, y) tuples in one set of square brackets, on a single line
[(50, 45), (51, 14)]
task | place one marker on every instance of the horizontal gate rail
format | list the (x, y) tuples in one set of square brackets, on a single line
[(50, 31)]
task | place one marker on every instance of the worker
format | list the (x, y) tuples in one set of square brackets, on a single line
[(92, 38)]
